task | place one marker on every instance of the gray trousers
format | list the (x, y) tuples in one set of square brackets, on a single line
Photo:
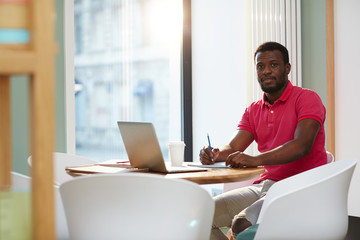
[(244, 202)]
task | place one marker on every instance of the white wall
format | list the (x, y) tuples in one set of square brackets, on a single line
[(220, 38), (347, 86)]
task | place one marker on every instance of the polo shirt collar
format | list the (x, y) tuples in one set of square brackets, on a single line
[(284, 96)]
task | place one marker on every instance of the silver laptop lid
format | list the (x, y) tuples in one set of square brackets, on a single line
[(142, 145)]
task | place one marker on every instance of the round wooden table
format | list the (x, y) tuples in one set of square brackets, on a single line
[(211, 176)]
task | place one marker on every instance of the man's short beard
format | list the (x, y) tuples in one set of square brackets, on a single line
[(277, 87)]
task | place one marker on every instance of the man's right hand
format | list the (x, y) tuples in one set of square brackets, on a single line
[(206, 155)]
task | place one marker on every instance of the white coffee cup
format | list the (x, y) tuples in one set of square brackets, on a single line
[(176, 149)]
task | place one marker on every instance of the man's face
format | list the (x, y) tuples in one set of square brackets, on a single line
[(271, 71)]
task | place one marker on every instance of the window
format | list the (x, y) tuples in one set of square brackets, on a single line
[(126, 67), (134, 71)]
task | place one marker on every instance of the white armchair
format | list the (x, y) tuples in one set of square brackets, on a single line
[(136, 206)]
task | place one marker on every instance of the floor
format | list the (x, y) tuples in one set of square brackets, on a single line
[(354, 229)]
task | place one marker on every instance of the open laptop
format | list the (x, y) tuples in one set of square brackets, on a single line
[(143, 149)]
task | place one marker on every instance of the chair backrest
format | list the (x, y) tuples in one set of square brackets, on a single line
[(23, 183), (309, 205), (136, 206), (330, 157), (62, 231), (20, 182), (230, 186), (63, 160)]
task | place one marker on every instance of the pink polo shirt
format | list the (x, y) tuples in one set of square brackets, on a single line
[(274, 125)]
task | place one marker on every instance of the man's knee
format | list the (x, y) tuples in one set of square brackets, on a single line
[(239, 225)]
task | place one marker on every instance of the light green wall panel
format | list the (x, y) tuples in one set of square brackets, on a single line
[(60, 112), (20, 123), (313, 28)]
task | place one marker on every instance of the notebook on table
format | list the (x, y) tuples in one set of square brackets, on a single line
[(215, 165), (143, 149)]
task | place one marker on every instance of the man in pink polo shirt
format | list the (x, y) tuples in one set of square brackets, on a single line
[(288, 126)]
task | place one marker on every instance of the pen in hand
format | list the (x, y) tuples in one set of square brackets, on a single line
[(212, 159)]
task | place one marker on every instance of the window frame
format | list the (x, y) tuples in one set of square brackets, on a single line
[(186, 79)]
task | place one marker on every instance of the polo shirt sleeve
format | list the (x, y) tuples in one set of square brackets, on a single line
[(309, 105), (244, 123)]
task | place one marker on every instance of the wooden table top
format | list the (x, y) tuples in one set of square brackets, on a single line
[(211, 176)]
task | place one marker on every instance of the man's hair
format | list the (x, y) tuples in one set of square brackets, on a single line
[(271, 46)]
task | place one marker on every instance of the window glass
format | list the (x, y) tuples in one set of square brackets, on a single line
[(126, 67)]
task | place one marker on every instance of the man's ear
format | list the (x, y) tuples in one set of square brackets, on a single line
[(288, 68)]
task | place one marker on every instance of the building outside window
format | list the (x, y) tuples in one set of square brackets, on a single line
[(126, 68)]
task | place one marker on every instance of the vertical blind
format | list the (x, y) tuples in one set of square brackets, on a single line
[(279, 21)]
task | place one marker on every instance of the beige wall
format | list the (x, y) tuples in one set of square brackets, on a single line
[(347, 85)]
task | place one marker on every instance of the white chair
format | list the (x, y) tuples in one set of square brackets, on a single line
[(310, 205), (63, 160), (62, 231), (230, 186), (21, 182), (330, 157), (136, 206)]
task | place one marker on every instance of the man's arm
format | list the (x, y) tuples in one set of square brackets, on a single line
[(304, 137), (240, 140)]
